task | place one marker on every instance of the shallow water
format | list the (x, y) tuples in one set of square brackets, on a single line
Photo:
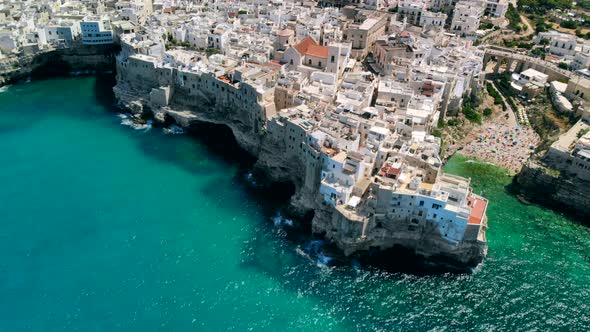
[(113, 229)]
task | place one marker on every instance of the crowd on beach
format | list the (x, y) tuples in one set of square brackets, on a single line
[(503, 145)]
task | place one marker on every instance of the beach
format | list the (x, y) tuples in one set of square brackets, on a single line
[(504, 145)]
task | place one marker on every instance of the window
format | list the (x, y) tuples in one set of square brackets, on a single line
[(421, 203), (319, 63), (332, 59), (309, 61)]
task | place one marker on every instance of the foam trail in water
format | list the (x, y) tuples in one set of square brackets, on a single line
[(4, 88)]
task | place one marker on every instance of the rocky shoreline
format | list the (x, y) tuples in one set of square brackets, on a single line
[(539, 184), (82, 59), (270, 162)]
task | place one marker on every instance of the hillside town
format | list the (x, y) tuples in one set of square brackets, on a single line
[(353, 95)]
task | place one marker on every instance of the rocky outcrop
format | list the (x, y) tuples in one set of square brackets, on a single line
[(186, 110), (423, 240), (59, 62), (276, 165), (145, 86), (546, 186)]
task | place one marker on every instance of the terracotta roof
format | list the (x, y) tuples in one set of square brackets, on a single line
[(308, 46), (393, 171), (478, 209)]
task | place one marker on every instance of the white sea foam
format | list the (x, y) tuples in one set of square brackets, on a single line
[(4, 88), (173, 130), (280, 221), (250, 179), (323, 260), (127, 120)]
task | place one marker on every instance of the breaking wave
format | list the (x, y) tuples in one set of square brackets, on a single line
[(129, 121), (313, 250), (4, 88)]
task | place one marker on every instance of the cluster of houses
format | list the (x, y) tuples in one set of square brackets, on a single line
[(566, 48), (31, 26), (350, 90), (360, 126)]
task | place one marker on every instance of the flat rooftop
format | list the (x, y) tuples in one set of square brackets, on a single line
[(478, 208), (368, 24)]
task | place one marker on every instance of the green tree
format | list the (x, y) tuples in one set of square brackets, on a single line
[(568, 24)]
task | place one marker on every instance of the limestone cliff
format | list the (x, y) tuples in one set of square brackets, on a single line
[(272, 161), (164, 92), (58, 62), (552, 188), (424, 240)]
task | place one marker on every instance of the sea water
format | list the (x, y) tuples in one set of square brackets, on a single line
[(107, 228)]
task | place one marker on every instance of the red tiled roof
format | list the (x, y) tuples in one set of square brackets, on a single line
[(308, 46), (393, 171), (273, 63), (478, 209)]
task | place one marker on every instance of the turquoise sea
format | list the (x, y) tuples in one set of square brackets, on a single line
[(107, 228)]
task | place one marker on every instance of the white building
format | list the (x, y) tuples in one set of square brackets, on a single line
[(496, 8), (466, 17), (63, 34), (581, 58), (96, 31), (561, 44)]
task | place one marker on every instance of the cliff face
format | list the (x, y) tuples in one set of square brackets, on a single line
[(186, 110), (59, 62), (424, 239), (187, 104), (548, 187)]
